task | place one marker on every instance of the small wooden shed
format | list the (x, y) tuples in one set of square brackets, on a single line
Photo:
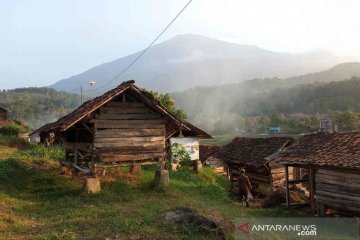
[(124, 126), (3, 113), (252, 154), (332, 163)]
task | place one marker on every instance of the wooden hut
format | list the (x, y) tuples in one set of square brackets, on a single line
[(207, 150), (252, 154), (3, 113), (332, 165), (124, 126)]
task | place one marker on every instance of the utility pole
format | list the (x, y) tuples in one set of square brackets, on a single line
[(91, 83), (81, 94)]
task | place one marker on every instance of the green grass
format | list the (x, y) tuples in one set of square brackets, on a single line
[(36, 202)]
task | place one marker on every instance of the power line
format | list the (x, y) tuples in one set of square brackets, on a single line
[(143, 52)]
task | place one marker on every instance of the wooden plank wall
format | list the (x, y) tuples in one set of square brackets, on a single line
[(128, 131), (338, 189)]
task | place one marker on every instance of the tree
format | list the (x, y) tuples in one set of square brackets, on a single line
[(169, 103), (346, 120)]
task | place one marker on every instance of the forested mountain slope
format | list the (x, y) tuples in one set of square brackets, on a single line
[(37, 106)]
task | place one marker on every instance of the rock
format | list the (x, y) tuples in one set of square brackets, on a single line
[(190, 217), (92, 185), (161, 178)]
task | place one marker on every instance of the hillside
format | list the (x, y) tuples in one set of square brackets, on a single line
[(38, 202), (37, 106), (187, 61), (215, 107)]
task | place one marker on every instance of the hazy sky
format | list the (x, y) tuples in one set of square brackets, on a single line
[(43, 41)]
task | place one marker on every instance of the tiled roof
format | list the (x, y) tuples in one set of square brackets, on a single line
[(325, 149), (206, 150), (195, 131), (251, 151), (4, 109), (89, 106)]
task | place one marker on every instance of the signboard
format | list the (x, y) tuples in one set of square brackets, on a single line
[(190, 144)]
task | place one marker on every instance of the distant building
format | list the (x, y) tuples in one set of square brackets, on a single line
[(326, 125), (3, 113), (274, 130), (255, 156)]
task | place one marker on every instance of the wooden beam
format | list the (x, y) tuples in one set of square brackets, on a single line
[(119, 125), (125, 133), (311, 188), (298, 181), (105, 110), (124, 164), (126, 104), (130, 157), (130, 149), (127, 144), (88, 128), (126, 121), (127, 116), (128, 140), (287, 186)]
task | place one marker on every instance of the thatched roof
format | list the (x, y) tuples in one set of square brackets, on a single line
[(251, 151), (325, 149)]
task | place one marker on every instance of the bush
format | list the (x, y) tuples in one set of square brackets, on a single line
[(11, 129), (180, 154), (14, 141), (43, 153)]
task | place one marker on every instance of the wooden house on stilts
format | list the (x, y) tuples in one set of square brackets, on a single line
[(125, 126)]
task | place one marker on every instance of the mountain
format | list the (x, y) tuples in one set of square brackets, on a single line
[(186, 61), (206, 106)]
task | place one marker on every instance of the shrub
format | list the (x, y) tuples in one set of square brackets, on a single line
[(11, 129), (43, 153), (14, 141), (180, 154)]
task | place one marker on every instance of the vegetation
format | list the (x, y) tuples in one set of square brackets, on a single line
[(37, 106), (37, 202), (253, 106), (13, 129), (169, 103)]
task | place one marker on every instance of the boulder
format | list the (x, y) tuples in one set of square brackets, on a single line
[(190, 217)]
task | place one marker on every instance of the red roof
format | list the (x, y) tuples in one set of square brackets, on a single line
[(325, 149), (251, 151), (88, 107)]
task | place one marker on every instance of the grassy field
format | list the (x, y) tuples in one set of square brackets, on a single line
[(37, 202)]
